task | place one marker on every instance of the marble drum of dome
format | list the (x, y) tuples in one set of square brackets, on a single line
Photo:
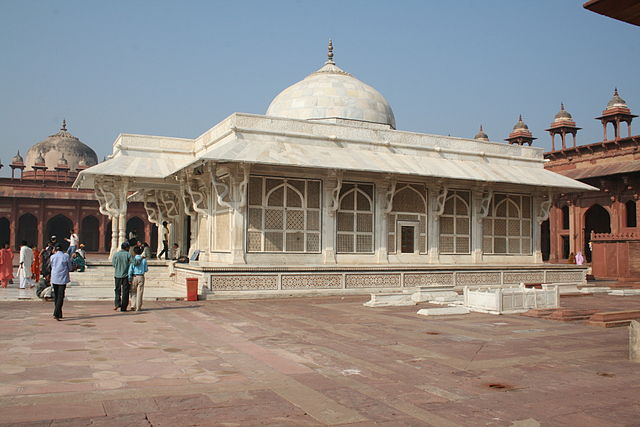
[(332, 93)]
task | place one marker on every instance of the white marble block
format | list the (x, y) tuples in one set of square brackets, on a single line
[(511, 300), (443, 311), (432, 293), (389, 299)]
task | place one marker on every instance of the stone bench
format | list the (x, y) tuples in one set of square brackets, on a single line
[(389, 300)]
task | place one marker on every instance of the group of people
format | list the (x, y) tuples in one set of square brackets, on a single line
[(130, 266)]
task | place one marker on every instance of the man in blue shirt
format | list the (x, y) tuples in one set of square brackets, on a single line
[(120, 262), (136, 277), (60, 268)]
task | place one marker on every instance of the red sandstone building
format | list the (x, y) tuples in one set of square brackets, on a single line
[(38, 201), (602, 225)]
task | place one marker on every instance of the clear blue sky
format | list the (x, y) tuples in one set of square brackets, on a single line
[(177, 68)]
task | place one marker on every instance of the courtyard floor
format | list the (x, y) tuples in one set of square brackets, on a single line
[(310, 361)]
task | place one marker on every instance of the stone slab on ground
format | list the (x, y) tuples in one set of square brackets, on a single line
[(443, 311), (624, 292), (389, 300), (424, 294)]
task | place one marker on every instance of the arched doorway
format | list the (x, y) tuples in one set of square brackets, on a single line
[(90, 232), (59, 226), (545, 240), (27, 229), (596, 219), (107, 237), (135, 226), (5, 231)]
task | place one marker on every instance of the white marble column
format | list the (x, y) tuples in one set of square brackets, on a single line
[(381, 222), (329, 186), (433, 226)]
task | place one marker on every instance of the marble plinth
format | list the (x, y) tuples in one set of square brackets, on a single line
[(443, 311)]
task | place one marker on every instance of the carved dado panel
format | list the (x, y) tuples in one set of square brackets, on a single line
[(524, 277), (312, 281), (427, 279), (477, 278), (244, 282), (372, 280), (565, 276)]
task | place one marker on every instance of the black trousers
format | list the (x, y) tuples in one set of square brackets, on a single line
[(59, 300), (165, 250), (122, 293)]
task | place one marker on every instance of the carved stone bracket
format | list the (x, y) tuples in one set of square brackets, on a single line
[(242, 187), (167, 202), (151, 207), (545, 206), (441, 198), (388, 197), (335, 193), (221, 188), (485, 204), (112, 196)]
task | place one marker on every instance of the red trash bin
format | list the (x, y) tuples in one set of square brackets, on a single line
[(192, 289)]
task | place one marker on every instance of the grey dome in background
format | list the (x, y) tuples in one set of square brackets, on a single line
[(62, 145)]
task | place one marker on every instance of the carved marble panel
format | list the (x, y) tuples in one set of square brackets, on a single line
[(311, 281), (427, 279), (564, 276), (372, 280), (523, 277), (477, 278), (247, 282)]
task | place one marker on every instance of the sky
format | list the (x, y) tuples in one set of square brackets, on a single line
[(177, 68)]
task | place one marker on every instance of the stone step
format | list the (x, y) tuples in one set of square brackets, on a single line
[(612, 316), (613, 324)]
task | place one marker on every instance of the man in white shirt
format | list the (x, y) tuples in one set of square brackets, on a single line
[(26, 259), (73, 242)]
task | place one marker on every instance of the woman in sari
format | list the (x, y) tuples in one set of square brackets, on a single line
[(35, 267), (6, 270)]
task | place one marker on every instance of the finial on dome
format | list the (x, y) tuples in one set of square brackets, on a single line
[(562, 106), (615, 91), (64, 125), (330, 53), (520, 118)]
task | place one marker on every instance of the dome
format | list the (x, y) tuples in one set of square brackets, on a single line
[(61, 146), (481, 135), (17, 159), (563, 114), (332, 93), (520, 124), (616, 101)]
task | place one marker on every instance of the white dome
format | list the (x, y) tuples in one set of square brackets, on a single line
[(331, 93)]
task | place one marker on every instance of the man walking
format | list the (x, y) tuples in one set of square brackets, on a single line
[(26, 259), (165, 241), (120, 262), (136, 277), (60, 267)]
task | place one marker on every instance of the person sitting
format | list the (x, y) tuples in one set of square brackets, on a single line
[(78, 262), (82, 251), (175, 252), (146, 250)]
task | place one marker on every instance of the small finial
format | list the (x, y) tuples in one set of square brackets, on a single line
[(615, 92), (481, 130), (330, 53), (561, 106), (64, 125), (18, 153), (520, 118)]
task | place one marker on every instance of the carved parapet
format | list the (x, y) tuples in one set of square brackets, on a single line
[(615, 237)]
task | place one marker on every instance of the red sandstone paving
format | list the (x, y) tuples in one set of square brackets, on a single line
[(310, 361)]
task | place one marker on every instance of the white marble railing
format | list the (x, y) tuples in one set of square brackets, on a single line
[(511, 300)]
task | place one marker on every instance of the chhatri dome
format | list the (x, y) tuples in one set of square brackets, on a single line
[(332, 93), (61, 146)]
